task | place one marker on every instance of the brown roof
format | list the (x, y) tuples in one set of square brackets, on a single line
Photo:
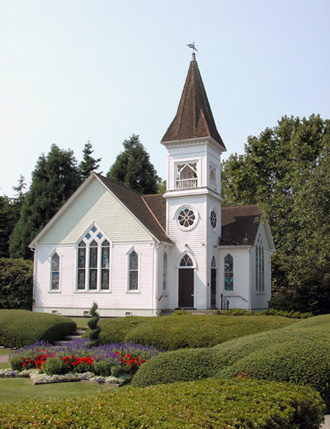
[(139, 205), (194, 117), (239, 225)]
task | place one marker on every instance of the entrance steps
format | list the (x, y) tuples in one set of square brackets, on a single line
[(69, 338)]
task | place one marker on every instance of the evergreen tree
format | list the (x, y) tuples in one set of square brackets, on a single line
[(54, 179), (88, 164), (133, 168)]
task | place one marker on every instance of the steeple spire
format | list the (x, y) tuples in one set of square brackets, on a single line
[(194, 118)]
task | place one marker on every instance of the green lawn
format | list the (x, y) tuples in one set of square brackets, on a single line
[(18, 389), (81, 322), (5, 351)]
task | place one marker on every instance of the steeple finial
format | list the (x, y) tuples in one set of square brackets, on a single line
[(193, 47)]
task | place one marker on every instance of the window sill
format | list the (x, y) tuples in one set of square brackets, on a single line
[(133, 292), (55, 291), (92, 291)]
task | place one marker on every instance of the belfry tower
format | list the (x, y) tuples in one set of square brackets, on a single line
[(193, 196)]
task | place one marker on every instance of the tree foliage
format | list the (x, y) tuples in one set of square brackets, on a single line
[(133, 168), (16, 284), (276, 172), (54, 179), (88, 164)]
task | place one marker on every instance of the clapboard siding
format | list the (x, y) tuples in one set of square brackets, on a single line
[(97, 205)]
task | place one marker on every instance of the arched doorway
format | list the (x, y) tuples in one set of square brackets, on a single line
[(186, 282)]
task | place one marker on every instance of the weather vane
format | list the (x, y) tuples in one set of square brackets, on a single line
[(192, 46)]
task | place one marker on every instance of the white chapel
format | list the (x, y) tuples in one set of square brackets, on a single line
[(142, 255)]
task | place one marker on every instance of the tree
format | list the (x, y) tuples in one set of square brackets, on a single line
[(54, 179), (277, 168), (133, 168), (16, 284), (94, 329), (88, 164)]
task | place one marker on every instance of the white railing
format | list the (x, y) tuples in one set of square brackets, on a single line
[(186, 183)]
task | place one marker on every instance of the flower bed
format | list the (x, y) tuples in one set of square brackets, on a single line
[(115, 361)]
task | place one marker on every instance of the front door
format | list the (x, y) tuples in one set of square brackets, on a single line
[(213, 287), (186, 288)]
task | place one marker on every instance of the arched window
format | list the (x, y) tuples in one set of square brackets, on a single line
[(133, 271), (93, 262), (164, 271), (105, 265), (81, 265), (229, 273), (186, 262), (260, 284), (55, 280)]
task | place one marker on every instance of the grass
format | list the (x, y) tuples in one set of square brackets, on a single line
[(81, 322), (18, 389), (5, 351)]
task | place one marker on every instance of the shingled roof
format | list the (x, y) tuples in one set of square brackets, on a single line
[(150, 210), (194, 117), (239, 225)]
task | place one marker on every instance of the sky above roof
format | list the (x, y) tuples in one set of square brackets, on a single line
[(102, 70)]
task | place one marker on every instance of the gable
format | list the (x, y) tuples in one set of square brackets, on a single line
[(95, 204)]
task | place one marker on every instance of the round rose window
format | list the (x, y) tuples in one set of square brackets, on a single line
[(213, 219), (186, 217)]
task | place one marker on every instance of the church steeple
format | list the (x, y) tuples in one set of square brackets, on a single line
[(194, 118)]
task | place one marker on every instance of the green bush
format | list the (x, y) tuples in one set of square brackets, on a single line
[(299, 354), (207, 403), (16, 284), (105, 368), (21, 327), (177, 331), (178, 365), (54, 366)]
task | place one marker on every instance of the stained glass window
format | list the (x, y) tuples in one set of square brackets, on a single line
[(186, 217), (105, 265), (93, 265), (229, 273), (186, 261), (133, 271), (81, 265), (260, 279), (97, 255), (213, 219), (164, 271), (213, 263), (55, 272)]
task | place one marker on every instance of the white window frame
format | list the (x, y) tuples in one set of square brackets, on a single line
[(187, 162), (165, 271), (213, 184), (260, 266), (50, 257), (224, 273), (88, 241), (128, 254)]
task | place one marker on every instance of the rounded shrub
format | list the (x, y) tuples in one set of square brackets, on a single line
[(56, 366), (219, 404), (103, 367), (22, 327), (302, 360), (178, 365)]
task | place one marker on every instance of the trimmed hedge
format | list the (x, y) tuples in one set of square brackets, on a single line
[(182, 331), (178, 365), (299, 354), (206, 403), (22, 327)]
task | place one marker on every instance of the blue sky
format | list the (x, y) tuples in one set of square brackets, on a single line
[(78, 70)]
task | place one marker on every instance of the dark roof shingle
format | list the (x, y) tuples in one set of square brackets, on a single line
[(239, 225), (194, 117), (138, 205)]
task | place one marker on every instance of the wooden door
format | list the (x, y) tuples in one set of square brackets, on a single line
[(186, 288)]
